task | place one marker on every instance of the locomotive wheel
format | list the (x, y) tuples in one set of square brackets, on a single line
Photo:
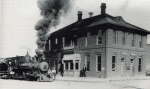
[(44, 78), (39, 79)]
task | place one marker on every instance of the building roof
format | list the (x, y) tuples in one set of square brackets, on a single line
[(101, 20)]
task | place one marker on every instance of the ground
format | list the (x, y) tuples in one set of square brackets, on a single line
[(82, 83)]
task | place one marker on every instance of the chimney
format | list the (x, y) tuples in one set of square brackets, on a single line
[(79, 15), (103, 8), (90, 14)]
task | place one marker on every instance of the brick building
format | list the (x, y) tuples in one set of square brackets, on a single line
[(108, 46)]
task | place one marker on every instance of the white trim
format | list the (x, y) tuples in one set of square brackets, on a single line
[(69, 66), (97, 40), (49, 45), (86, 42), (56, 41), (72, 57), (85, 60), (96, 63)]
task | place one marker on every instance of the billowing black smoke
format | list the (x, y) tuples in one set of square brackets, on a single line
[(51, 11)]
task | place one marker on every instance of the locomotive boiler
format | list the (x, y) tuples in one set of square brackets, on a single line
[(39, 71)]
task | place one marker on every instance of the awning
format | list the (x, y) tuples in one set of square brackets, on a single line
[(72, 57)]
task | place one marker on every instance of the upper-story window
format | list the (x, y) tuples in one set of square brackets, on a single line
[(56, 41), (99, 37), (67, 42), (141, 42), (114, 36), (99, 40), (86, 38), (133, 40), (124, 38)]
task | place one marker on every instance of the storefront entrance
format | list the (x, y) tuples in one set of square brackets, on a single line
[(71, 64)]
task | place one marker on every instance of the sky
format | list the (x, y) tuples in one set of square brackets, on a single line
[(18, 19)]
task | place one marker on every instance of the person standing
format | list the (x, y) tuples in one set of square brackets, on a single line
[(61, 69), (84, 70), (54, 73)]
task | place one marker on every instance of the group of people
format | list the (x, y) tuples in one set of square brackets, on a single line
[(61, 70), (82, 72), (53, 71)]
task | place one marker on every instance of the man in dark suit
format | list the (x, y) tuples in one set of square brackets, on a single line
[(61, 69), (84, 70)]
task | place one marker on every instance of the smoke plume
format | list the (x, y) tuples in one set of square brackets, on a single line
[(51, 11)]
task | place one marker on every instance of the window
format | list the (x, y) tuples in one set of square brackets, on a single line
[(99, 40), (77, 65), (87, 62), (113, 63), (98, 63), (124, 38), (68, 64), (114, 37), (140, 65), (133, 40), (71, 65), (141, 42), (86, 41)]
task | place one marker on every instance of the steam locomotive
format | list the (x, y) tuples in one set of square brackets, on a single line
[(32, 72)]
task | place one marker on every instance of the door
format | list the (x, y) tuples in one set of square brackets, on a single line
[(76, 68)]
